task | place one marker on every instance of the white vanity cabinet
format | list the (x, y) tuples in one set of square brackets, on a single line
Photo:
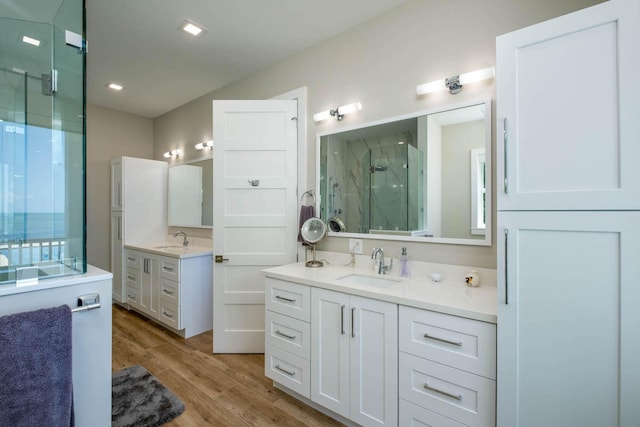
[(447, 369), (568, 220), (138, 211), (176, 291), (288, 335), (354, 363)]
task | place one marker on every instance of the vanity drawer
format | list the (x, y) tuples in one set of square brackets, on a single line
[(411, 415), (169, 313), (132, 259), (459, 395), (289, 334), (169, 290), (133, 295), (133, 277), (169, 268), (462, 343), (288, 298), (287, 369)]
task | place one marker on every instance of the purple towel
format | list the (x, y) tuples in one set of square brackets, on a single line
[(306, 212), (35, 368)]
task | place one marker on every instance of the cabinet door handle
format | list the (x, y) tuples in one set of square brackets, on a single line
[(131, 278), (505, 143), (286, 299), (131, 258), (169, 315), (168, 292), (120, 194), (282, 334), (168, 268), (291, 374), (442, 392), (353, 322), (342, 319), (506, 266), (119, 228), (431, 337)]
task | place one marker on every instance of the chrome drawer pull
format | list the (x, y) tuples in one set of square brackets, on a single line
[(430, 337), (168, 268), (167, 292), (285, 299), (131, 278), (342, 319), (291, 374), (444, 393), (291, 337), (169, 315)]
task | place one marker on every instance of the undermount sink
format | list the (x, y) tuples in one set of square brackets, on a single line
[(169, 247), (360, 279)]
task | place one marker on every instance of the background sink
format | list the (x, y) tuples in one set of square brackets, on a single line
[(360, 279)]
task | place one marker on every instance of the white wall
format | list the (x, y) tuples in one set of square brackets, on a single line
[(379, 63), (110, 134)]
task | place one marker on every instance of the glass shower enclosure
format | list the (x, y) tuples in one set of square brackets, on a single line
[(42, 139)]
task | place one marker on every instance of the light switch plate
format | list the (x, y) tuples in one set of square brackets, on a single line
[(355, 246)]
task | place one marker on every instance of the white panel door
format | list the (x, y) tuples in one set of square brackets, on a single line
[(255, 226), (568, 340), (374, 362), (568, 99), (330, 337)]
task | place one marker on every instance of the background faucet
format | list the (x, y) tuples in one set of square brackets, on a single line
[(382, 269), (185, 242)]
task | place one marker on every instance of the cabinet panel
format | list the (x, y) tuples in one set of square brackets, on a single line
[(330, 324), (462, 343), (575, 146), (117, 198), (374, 361), (288, 369), (289, 334), (169, 268), (169, 313), (169, 290), (415, 416), (568, 318), (291, 299), (456, 394), (117, 253)]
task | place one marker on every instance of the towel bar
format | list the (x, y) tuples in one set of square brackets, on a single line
[(310, 193), (87, 302)]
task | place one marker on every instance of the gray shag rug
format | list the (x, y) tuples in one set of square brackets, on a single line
[(138, 399)]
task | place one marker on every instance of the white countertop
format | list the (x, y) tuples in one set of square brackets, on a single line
[(171, 249), (448, 297)]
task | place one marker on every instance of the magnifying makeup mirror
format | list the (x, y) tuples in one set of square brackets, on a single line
[(313, 230)]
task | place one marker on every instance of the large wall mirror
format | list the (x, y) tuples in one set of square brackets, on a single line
[(191, 194), (421, 177)]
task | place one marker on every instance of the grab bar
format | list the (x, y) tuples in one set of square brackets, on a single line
[(87, 302)]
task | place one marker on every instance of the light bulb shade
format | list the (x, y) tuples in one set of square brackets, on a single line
[(478, 75), (167, 155), (434, 86), (318, 117), (203, 145), (349, 108)]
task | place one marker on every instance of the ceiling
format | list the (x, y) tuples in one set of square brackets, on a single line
[(137, 43)]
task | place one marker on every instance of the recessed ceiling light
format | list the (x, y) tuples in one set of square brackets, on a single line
[(31, 41), (192, 28), (114, 86)]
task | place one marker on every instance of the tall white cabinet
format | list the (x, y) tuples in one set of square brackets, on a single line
[(568, 100), (138, 211)]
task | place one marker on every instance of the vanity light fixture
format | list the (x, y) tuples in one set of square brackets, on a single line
[(192, 28), (339, 112), (172, 153), (203, 145), (457, 82)]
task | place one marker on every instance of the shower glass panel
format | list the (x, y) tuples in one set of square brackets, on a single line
[(42, 141)]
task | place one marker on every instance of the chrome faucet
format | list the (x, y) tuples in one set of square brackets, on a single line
[(381, 268), (185, 242)]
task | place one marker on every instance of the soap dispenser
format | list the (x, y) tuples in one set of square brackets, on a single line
[(404, 263)]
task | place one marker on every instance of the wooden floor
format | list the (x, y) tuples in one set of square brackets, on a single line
[(217, 390)]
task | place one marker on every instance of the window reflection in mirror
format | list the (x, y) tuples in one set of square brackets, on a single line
[(191, 194), (420, 177)]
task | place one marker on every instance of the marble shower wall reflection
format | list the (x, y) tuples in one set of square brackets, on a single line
[(372, 181)]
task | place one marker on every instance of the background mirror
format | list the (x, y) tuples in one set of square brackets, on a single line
[(423, 177), (191, 194)]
